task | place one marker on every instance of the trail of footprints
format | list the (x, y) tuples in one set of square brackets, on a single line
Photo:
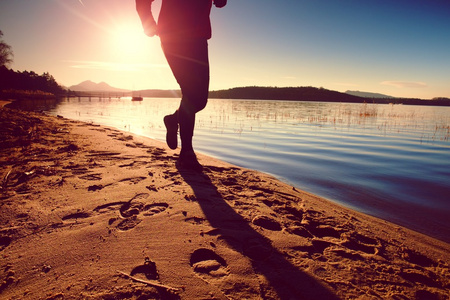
[(129, 212), (329, 241), (313, 225)]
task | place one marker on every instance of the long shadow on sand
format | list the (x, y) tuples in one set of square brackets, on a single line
[(287, 281)]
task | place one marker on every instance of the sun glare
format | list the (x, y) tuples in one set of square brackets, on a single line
[(134, 60), (129, 43)]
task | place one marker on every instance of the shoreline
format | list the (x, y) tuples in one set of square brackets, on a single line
[(93, 201), (374, 197)]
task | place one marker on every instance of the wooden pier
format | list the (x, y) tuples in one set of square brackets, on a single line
[(99, 95)]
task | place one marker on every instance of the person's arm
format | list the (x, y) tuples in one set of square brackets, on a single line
[(144, 9), (220, 3)]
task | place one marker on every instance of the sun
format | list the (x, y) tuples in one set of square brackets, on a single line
[(128, 42), (133, 59)]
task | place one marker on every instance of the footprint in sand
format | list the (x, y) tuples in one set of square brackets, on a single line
[(97, 187), (157, 152), (77, 215), (102, 154), (284, 209), (416, 258), (322, 231), (148, 269), (133, 164), (74, 218), (96, 176), (155, 208), (133, 209), (195, 220), (104, 208), (361, 243), (124, 138), (128, 223), (267, 223), (257, 248), (316, 246), (133, 180), (207, 262), (4, 242), (310, 224), (77, 169), (129, 211)]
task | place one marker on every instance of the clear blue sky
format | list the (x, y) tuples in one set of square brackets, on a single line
[(400, 48)]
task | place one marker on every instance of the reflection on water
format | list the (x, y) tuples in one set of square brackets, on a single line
[(390, 161)]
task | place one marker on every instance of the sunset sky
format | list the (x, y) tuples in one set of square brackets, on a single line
[(400, 48)]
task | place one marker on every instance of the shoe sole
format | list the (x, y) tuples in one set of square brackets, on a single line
[(171, 134)]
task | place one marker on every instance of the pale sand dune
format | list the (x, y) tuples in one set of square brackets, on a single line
[(90, 212)]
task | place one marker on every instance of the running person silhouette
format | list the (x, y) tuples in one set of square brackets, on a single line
[(184, 28)]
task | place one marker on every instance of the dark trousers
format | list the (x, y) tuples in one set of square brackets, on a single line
[(189, 62)]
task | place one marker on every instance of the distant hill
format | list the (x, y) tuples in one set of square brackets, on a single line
[(367, 94), (89, 86)]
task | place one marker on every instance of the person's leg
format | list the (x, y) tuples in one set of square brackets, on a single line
[(186, 120), (190, 66)]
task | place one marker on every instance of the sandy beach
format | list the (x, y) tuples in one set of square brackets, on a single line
[(91, 212)]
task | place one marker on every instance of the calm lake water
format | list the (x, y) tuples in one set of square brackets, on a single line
[(389, 161)]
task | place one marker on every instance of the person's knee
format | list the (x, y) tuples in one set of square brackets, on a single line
[(202, 100), (194, 104), (201, 104)]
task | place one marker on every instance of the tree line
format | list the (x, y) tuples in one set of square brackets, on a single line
[(286, 93), (314, 94), (11, 80), (28, 81)]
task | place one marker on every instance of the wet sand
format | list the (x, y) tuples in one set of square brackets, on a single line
[(90, 212)]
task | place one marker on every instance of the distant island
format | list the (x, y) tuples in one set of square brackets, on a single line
[(90, 86), (316, 94)]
